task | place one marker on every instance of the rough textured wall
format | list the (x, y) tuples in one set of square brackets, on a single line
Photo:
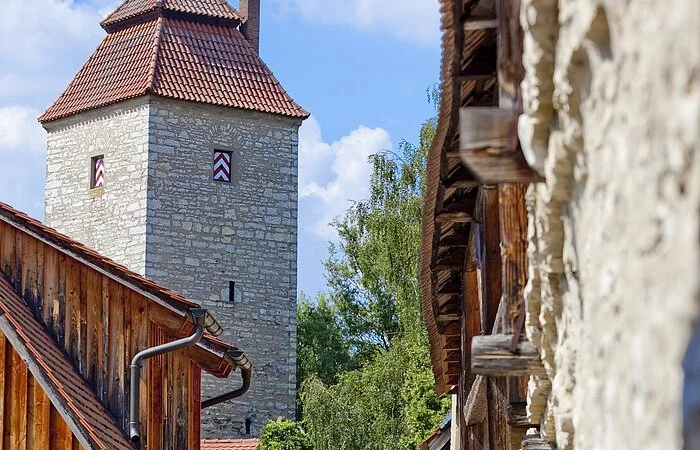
[(110, 220), (614, 239), (202, 234)]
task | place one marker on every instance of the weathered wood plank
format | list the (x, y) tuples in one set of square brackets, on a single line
[(104, 351), (514, 225), (491, 257), (194, 394), (115, 382), (491, 356), (138, 308), (83, 331), (18, 439), (4, 356), (29, 289), (93, 286), (72, 322), (155, 419), (41, 410), (50, 285), (129, 351), (61, 435), (39, 282), (59, 304), (180, 398), (497, 399)]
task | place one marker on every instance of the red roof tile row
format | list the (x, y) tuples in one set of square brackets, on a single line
[(180, 59), (230, 444), (220, 9), (87, 411)]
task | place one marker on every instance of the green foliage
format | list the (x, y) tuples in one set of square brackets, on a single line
[(284, 435), (374, 304), (388, 404), (322, 347)]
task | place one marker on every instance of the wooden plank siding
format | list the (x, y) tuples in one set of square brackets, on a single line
[(28, 420), (100, 325)]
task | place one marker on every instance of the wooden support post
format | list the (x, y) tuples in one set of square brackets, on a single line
[(491, 356), (514, 225)]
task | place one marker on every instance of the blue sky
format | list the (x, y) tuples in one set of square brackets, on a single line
[(360, 67)]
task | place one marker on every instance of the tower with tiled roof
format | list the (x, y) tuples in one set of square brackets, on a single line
[(174, 152)]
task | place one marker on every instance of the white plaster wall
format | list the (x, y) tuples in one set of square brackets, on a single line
[(615, 240)]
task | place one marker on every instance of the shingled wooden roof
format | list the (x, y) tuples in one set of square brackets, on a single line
[(86, 415), (164, 48), (210, 349), (468, 77)]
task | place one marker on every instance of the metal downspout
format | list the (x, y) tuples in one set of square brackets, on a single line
[(240, 360), (198, 317)]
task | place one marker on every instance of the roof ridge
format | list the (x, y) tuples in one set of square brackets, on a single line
[(131, 12), (150, 80)]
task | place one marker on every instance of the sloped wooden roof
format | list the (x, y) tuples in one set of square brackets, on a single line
[(210, 352), (170, 52), (468, 77), (72, 397)]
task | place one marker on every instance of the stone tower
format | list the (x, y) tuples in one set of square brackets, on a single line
[(174, 152)]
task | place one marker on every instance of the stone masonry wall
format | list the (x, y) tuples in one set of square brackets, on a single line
[(614, 291), (202, 234), (111, 220)]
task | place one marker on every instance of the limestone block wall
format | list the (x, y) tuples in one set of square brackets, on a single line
[(111, 220), (613, 296), (203, 234)]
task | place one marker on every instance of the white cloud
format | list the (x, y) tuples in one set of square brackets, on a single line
[(42, 44), (410, 20), (332, 175), (20, 131)]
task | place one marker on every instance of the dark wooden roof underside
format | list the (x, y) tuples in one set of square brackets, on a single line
[(468, 78)]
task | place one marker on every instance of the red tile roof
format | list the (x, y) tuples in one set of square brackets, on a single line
[(119, 272), (219, 9), (94, 421), (180, 59), (230, 444)]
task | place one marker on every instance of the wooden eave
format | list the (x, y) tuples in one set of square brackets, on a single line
[(169, 310), (468, 77)]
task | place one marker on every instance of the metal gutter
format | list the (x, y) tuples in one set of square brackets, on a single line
[(239, 359), (202, 319)]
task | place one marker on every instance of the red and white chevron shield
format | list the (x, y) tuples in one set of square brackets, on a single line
[(222, 166), (99, 172)]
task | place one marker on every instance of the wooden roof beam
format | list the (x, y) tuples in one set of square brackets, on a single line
[(491, 356), (490, 147), (460, 178), (459, 211)]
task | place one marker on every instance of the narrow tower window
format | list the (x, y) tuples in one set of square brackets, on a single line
[(97, 172), (232, 291), (248, 423), (222, 166)]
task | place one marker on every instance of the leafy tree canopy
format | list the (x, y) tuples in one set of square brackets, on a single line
[(283, 435), (364, 366)]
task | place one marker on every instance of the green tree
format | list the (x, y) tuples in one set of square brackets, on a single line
[(323, 349), (284, 435), (389, 401)]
